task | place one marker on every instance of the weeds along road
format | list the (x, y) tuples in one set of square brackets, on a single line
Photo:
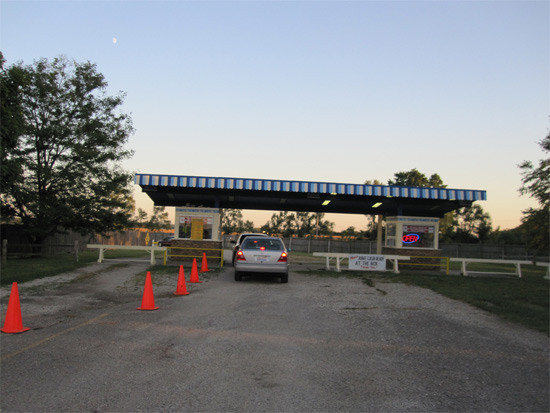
[(314, 344)]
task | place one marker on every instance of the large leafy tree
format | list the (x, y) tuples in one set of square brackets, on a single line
[(159, 220), (536, 183), (280, 223), (233, 222), (298, 223), (416, 178), (471, 225), (62, 143)]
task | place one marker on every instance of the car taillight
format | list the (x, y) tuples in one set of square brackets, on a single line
[(240, 256), (283, 257)]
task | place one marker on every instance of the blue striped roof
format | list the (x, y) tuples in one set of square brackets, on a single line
[(184, 181)]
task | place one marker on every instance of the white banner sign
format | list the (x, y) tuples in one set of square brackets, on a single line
[(367, 262)]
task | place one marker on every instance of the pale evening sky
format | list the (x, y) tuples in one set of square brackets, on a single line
[(334, 91)]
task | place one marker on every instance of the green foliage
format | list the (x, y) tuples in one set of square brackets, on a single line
[(61, 147), (298, 224), (232, 222), (159, 219), (471, 225), (536, 183), (28, 269), (522, 300), (416, 178)]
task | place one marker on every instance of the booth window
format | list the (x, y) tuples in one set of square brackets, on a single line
[(416, 236), (195, 227), (390, 234)]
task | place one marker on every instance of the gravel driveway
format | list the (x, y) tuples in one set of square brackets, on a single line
[(314, 344)]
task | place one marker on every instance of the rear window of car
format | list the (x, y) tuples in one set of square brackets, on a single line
[(267, 244)]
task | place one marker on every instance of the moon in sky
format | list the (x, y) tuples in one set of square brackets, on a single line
[(114, 40)]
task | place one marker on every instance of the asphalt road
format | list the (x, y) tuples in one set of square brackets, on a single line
[(313, 345)]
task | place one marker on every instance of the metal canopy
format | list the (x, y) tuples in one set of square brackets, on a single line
[(285, 195)]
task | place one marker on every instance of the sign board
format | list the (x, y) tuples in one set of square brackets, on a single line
[(367, 262), (418, 228), (197, 227)]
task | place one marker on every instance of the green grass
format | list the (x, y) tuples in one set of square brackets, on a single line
[(520, 300), (28, 269)]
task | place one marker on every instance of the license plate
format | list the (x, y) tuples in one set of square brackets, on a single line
[(262, 258)]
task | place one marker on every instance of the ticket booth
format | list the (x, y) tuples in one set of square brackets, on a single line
[(412, 232), (199, 224), (417, 237), (197, 232)]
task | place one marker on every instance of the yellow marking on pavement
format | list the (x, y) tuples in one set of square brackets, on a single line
[(15, 353)]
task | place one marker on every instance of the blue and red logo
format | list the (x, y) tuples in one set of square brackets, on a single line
[(410, 238)]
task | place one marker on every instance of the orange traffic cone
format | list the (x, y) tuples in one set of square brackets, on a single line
[(194, 273), (204, 266), (148, 300), (14, 321), (182, 288)]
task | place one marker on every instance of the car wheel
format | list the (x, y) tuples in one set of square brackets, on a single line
[(238, 276), (284, 278)]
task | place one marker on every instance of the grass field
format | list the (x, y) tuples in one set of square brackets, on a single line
[(28, 269), (522, 300)]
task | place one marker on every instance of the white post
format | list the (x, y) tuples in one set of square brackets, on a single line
[(379, 236), (396, 266), (100, 260), (518, 269), (463, 269)]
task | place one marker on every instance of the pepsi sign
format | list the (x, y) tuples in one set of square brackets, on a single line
[(410, 238)]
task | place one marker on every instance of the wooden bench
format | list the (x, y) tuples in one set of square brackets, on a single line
[(340, 256), (517, 263), (102, 248)]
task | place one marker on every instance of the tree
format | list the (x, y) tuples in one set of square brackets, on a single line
[(11, 126), (62, 144), (159, 220), (141, 219), (299, 223), (536, 183), (416, 178), (232, 222), (471, 225), (349, 232), (325, 227), (280, 223)]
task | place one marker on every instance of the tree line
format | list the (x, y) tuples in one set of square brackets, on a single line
[(63, 139)]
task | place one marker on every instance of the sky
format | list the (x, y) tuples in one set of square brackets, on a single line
[(329, 91)]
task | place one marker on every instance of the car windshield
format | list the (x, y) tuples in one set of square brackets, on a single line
[(266, 244)]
